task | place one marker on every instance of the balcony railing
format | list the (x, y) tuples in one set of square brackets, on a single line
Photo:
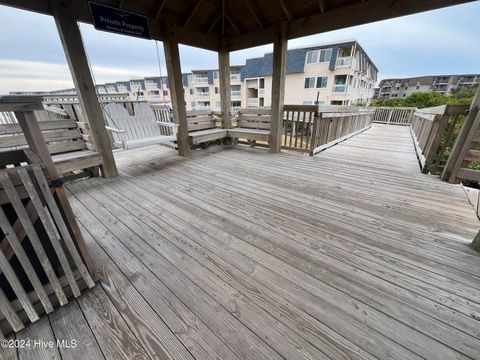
[(202, 94), (343, 62), (235, 76), (236, 93), (252, 102), (201, 80), (339, 88), (261, 92)]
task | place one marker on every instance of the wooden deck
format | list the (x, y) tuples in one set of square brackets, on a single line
[(242, 254)]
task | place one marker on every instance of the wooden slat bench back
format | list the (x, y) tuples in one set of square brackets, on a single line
[(68, 140), (202, 127)]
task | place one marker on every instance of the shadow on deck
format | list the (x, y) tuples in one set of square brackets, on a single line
[(242, 254)]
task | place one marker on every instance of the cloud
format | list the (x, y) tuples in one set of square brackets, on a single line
[(21, 75)]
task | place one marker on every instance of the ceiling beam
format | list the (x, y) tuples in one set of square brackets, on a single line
[(338, 18), (192, 13), (158, 11), (286, 11), (213, 21), (322, 4), (255, 13), (230, 20)]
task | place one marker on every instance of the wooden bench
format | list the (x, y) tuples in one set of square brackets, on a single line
[(67, 140), (252, 124), (202, 127), (138, 130)]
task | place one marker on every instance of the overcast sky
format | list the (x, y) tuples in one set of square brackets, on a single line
[(437, 42)]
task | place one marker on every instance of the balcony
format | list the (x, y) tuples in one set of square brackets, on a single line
[(339, 88), (252, 102), (235, 76), (343, 62), (202, 94), (236, 93), (200, 80), (261, 92)]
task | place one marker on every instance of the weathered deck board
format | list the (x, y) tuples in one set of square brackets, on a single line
[(237, 253)]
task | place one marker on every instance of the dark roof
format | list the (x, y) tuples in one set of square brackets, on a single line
[(262, 66)]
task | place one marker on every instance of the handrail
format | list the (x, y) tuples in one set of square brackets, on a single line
[(464, 150), (433, 130), (393, 115), (311, 129)]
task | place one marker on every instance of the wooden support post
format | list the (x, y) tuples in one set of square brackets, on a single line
[(278, 87), (463, 142), (172, 59), (77, 62), (225, 90), (476, 242)]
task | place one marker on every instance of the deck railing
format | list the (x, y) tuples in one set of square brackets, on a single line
[(299, 127), (464, 159), (393, 115), (336, 125), (164, 115), (434, 131), (311, 129)]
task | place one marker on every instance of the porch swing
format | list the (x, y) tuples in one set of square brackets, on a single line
[(142, 128)]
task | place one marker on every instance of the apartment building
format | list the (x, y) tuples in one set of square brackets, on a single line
[(332, 74), (329, 74), (403, 87)]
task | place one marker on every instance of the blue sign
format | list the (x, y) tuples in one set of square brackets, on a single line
[(119, 21)]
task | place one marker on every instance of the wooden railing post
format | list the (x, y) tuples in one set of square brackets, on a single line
[(314, 139), (464, 141)]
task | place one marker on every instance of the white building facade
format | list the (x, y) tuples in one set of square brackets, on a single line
[(329, 74), (443, 84)]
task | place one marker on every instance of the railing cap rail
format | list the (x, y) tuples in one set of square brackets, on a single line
[(395, 107), (436, 110), (21, 103)]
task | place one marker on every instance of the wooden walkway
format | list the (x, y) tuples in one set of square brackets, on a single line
[(241, 254)]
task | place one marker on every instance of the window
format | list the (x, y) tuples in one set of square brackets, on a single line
[(312, 57), (318, 82), (322, 82), (191, 91), (310, 83), (165, 92), (216, 90), (319, 56)]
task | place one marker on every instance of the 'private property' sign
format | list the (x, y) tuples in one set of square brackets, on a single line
[(119, 21)]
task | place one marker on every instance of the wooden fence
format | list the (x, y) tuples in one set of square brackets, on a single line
[(311, 129), (433, 131), (393, 115)]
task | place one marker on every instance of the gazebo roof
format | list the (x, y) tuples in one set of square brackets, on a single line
[(213, 24)]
